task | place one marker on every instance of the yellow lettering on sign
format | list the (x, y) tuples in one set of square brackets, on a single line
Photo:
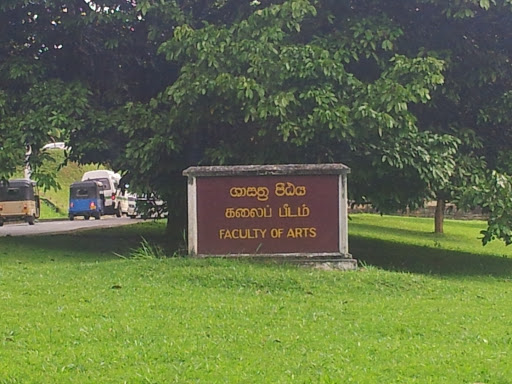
[(289, 189), (301, 233), (276, 233), (287, 211), (242, 233), (242, 213), (260, 193), (258, 233)]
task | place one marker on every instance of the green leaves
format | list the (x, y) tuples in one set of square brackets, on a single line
[(417, 95), (143, 6), (261, 79), (493, 196), (485, 4)]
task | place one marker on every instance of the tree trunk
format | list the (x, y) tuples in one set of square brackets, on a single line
[(439, 216)]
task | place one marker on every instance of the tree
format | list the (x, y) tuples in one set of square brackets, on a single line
[(411, 95), (436, 148), (59, 75), (263, 91), (470, 38), (259, 87)]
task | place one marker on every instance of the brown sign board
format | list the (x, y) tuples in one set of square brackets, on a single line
[(267, 214), (248, 210)]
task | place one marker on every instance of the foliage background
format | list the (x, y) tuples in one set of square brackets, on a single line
[(416, 92)]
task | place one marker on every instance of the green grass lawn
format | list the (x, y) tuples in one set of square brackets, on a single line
[(423, 309), (409, 244)]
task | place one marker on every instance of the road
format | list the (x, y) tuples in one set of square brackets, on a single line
[(50, 227)]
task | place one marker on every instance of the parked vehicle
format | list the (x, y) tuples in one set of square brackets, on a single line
[(19, 200), (125, 199), (110, 182), (86, 199), (132, 206)]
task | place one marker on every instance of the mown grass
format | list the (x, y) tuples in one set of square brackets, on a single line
[(409, 244), (73, 311)]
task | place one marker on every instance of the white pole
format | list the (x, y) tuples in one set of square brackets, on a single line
[(28, 170)]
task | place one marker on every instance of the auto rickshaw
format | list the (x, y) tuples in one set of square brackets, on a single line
[(19, 200), (86, 199)]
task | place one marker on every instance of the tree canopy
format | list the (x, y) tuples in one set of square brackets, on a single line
[(412, 95)]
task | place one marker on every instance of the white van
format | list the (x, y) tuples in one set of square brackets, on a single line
[(110, 181)]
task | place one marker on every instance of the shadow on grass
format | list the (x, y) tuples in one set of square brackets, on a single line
[(92, 245), (426, 260), (398, 232)]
